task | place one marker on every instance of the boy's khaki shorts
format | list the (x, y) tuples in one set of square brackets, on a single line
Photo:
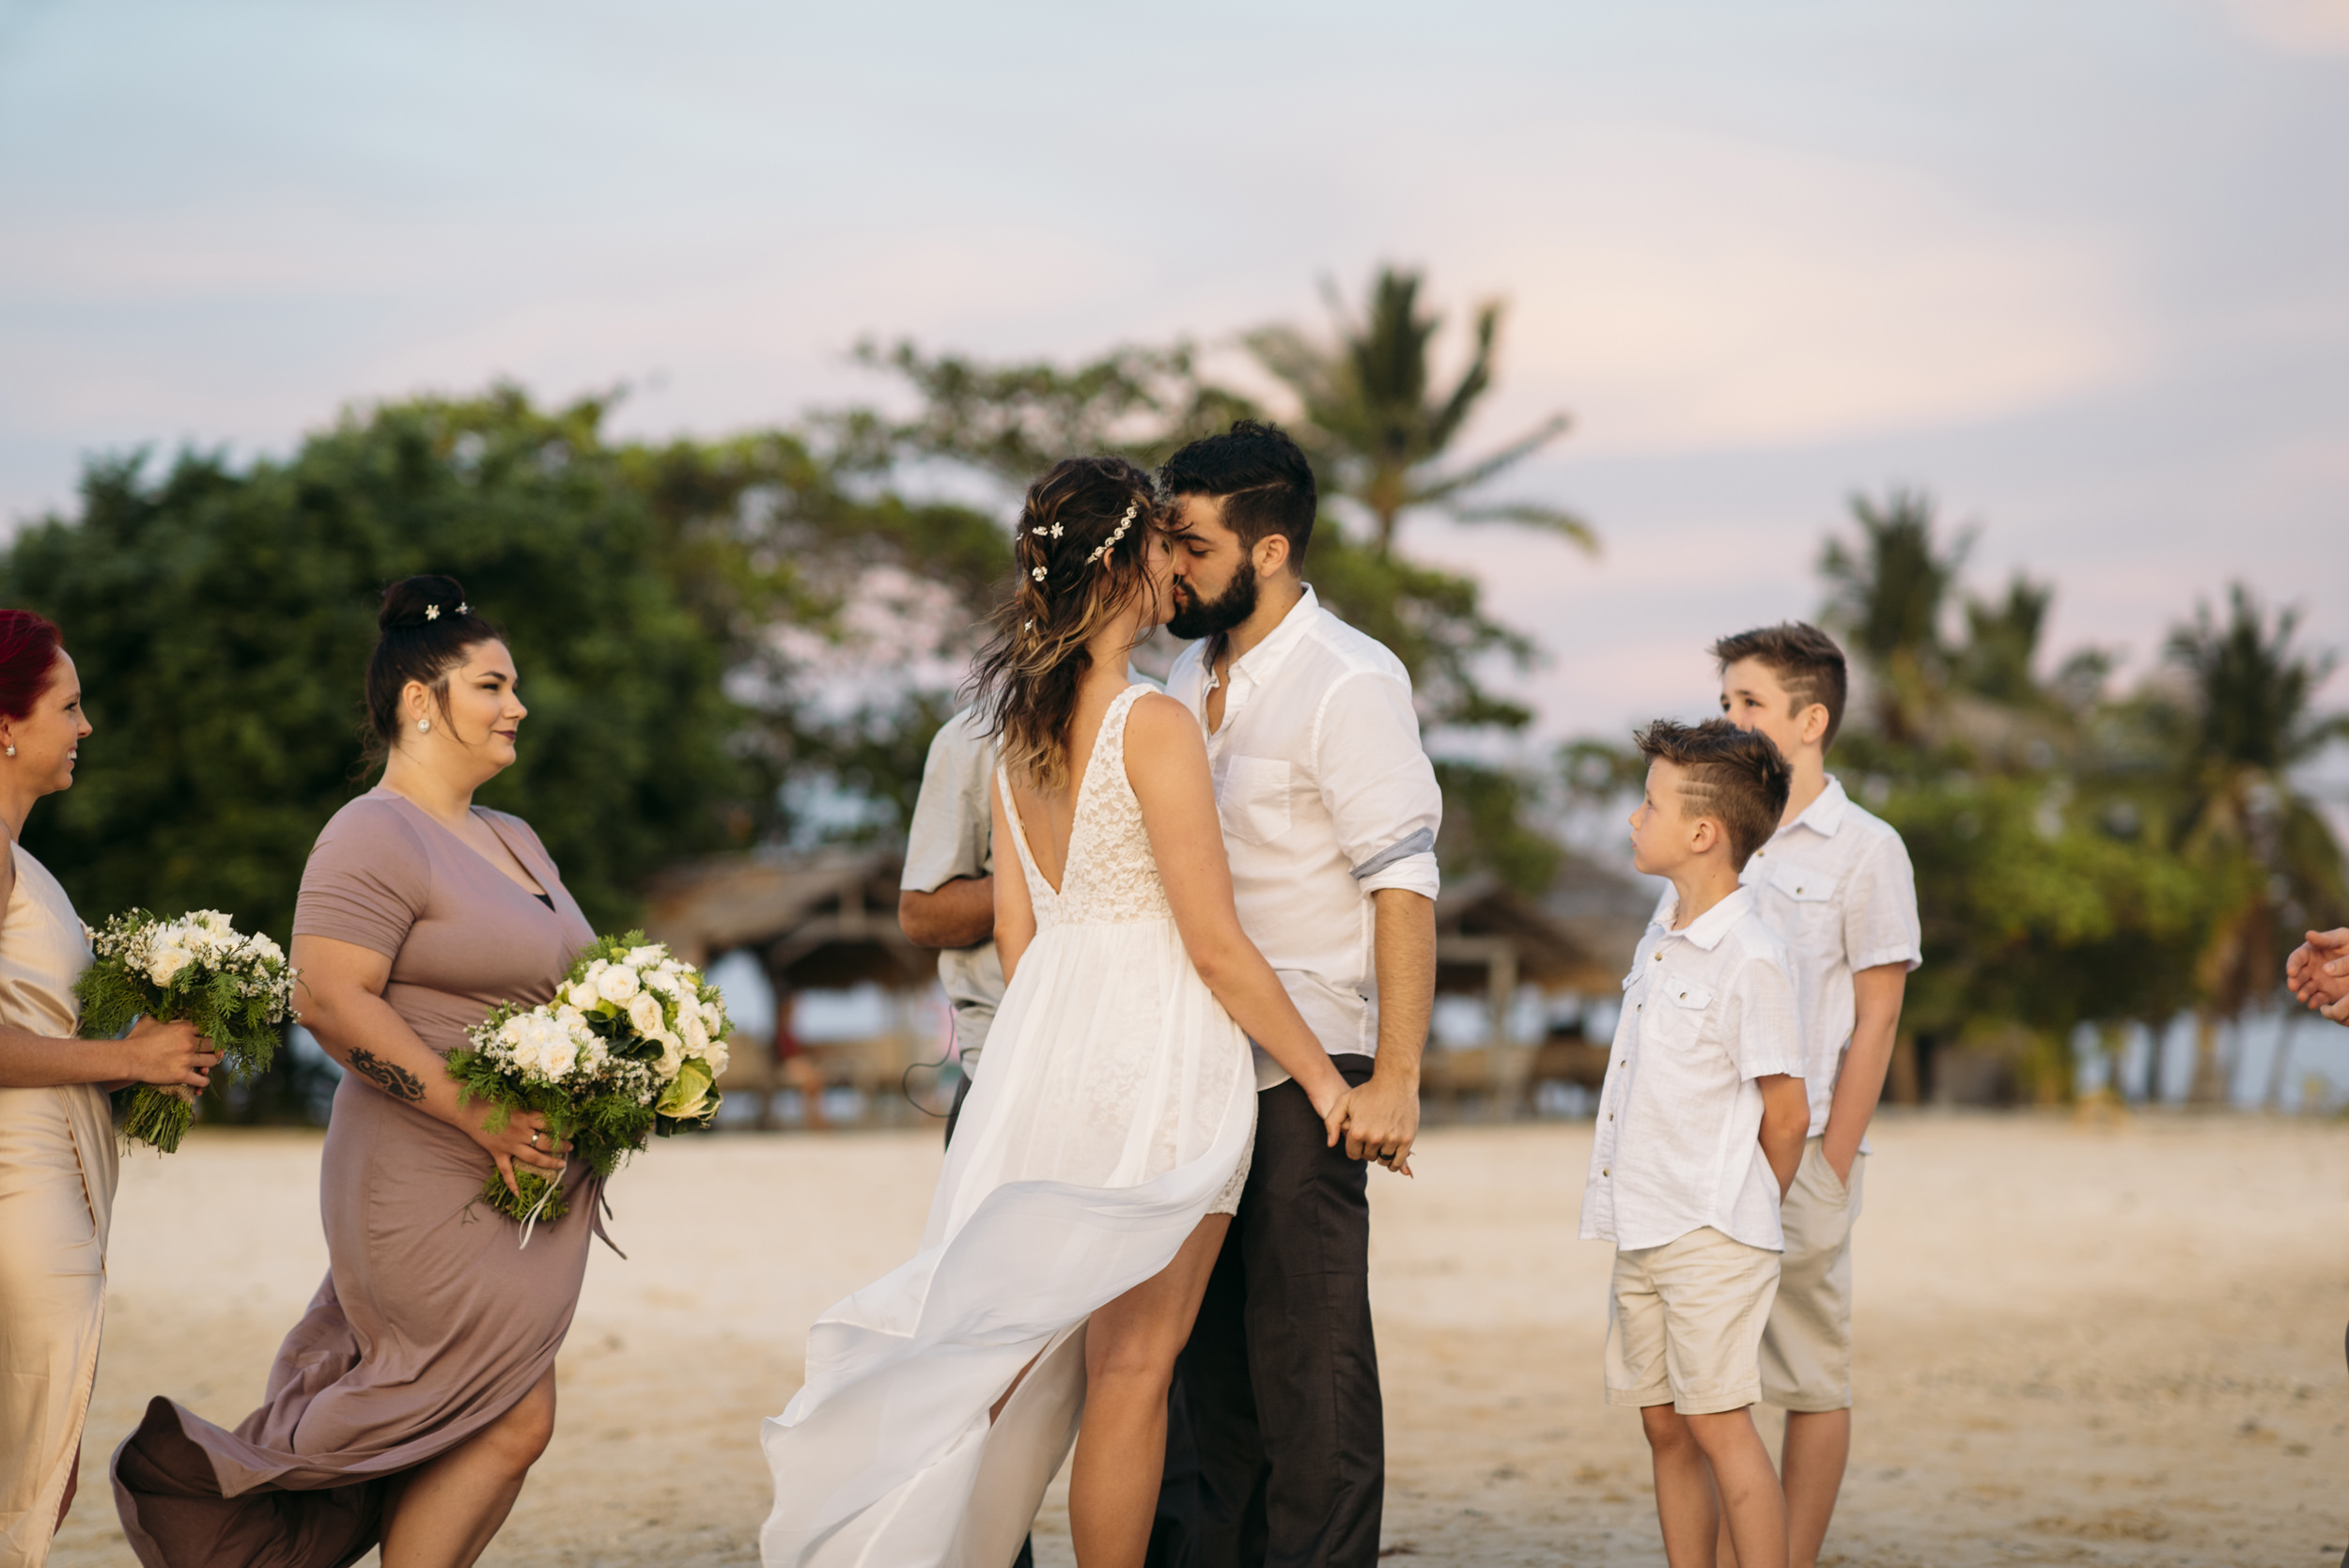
[(1684, 1324), (1806, 1349)]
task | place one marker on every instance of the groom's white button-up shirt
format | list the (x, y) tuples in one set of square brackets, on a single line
[(1326, 798)]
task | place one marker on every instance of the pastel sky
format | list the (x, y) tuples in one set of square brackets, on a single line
[(2080, 269)]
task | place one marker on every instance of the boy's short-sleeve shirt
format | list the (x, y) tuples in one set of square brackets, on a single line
[(1836, 887), (1706, 1011)]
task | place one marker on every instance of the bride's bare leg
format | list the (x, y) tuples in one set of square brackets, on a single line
[(443, 1514), (1131, 1346)]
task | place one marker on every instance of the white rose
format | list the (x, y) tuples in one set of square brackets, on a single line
[(688, 1024), (522, 1046), (557, 1051), (616, 984), (644, 1012), (167, 961), (671, 1055), (660, 980), (713, 1019), (644, 957), (715, 1053), (582, 994), (214, 921)]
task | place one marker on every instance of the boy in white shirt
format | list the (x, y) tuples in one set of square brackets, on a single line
[(1835, 883), (1700, 1125)]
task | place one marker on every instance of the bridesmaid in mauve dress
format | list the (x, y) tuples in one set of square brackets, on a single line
[(409, 1403), (57, 1141)]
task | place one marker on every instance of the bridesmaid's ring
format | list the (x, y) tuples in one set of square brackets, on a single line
[(534, 1137)]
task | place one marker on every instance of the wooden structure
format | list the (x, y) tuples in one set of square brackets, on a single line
[(1490, 939), (825, 920)]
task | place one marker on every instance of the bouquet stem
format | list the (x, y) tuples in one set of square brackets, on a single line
[(534, 1187), (158, 1116)]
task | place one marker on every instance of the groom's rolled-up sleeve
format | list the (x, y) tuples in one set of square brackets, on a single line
[(1378, 784)]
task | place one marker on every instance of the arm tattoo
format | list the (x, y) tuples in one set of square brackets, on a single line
[(389, 1077)]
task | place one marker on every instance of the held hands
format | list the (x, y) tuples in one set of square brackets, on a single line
[(171, 1055), (1378, 1120), (2318, 973), (524, 1141)]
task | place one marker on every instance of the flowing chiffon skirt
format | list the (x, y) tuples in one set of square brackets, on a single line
[(1113, 1109)]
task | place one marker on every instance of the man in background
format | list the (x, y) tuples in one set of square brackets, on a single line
[(946, 898)]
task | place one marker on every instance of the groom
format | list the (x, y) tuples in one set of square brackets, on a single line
[(1330, 811)]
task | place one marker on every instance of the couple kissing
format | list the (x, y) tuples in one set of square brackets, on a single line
[(1215, 934)]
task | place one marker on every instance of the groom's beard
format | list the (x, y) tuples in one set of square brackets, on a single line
[(1195, 617)]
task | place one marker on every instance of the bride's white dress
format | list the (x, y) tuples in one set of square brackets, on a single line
[(1115, 1108)]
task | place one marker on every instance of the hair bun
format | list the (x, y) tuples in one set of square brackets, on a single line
[(409, 601)]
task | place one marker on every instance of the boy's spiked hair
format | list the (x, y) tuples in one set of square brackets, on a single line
[(1734, 776), (1806, 662)]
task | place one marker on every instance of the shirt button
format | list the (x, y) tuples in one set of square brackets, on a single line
[(1660, 957), (1604, 1171)]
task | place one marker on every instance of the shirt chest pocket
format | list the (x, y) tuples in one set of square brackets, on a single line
[(1812, 893), (1805, 885), (1254, 805), (1675, 1009)]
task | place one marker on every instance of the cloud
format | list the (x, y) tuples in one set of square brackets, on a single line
[(1690, 291), (2294, 26)]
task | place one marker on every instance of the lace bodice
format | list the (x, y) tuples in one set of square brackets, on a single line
[(1110, 877)]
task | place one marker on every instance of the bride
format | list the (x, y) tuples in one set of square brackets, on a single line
[(1101, 1152)]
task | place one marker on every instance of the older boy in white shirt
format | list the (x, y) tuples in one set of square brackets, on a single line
[(1835, 883), (1700, 1125)]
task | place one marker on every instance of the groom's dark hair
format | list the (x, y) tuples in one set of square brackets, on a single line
[(1261, 476)]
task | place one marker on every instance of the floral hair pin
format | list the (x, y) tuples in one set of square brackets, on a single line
[(432, 612)]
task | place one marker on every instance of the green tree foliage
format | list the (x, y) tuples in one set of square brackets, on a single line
[(1371, 431), (2247, 721), (221, 618), (1381, 433), (1888, 590), (2082, 857)]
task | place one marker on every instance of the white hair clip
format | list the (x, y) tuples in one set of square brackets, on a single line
[(1111, 543), (431, 611), (464, 609), (1036, 572)]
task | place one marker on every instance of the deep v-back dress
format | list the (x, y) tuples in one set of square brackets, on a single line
[(1113, 1111)]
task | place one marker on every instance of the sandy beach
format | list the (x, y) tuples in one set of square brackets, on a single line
[(2080, 1341)]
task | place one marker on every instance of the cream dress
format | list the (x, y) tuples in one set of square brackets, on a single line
[(1115, 1108), (57, 1195)]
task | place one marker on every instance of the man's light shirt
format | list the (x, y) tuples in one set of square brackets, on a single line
[(1326, 798)]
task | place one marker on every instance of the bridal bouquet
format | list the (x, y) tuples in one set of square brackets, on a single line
[(238, 990), (632, 1047)]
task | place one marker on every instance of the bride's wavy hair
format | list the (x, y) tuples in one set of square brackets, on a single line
[(1081, 552)]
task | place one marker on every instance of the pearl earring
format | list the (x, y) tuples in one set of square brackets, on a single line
[(11, 750), (423, 723)]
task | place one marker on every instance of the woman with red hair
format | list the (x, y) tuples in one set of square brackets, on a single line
[(56, 1137)]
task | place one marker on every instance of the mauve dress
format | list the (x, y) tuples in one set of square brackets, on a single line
[(433, 1321)]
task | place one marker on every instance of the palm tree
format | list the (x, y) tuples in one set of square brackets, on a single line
[(1378, 429), (1887, 596), (2250, 724)]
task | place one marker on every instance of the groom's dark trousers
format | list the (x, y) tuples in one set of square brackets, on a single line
[(1276, 1441)]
